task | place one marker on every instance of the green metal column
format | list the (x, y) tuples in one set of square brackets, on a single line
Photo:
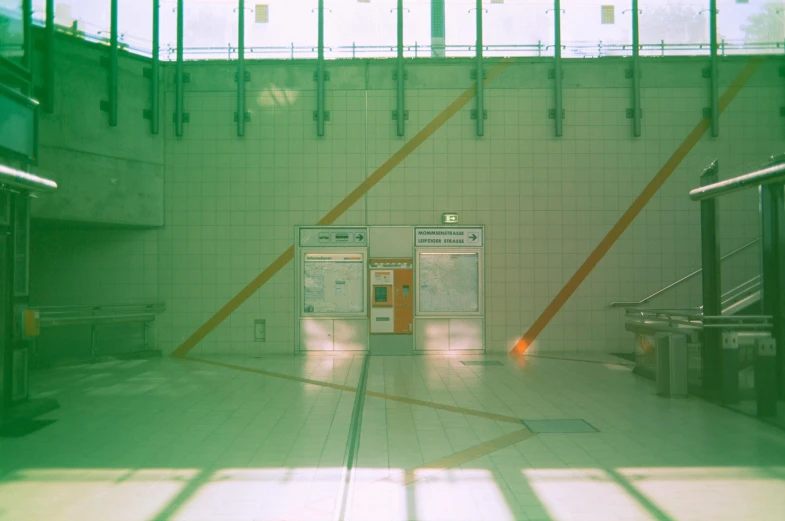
[(49, 63), (480, 74), (711, 347), (772, 226), (636, 72), (437, 29), (241, 69), (320, 115), (714, 71), (27, 60), (113, 67), (400, 76), (179, 91), (155, 71), (557, 73)]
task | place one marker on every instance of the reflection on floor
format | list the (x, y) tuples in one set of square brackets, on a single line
[(184, 440)]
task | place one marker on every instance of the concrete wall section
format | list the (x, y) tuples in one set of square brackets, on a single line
[(107, 175)]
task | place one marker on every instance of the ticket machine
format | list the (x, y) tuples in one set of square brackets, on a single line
[(392, 296)]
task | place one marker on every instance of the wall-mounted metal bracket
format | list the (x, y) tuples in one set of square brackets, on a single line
[(628, 73), (147, 114), (326, 115), (405, 115), (473, 74), (316, 75), (147, 73), (706, 112), (246, 74), (474, 114), (104, 105), (782, 112), (781, 72), (552, 74), (247, 117), (631, 113), (552, 113), (186, 117), (706, 72), (186, 77), (405, 75)]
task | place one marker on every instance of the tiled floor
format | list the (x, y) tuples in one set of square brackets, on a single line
[(184, 440)]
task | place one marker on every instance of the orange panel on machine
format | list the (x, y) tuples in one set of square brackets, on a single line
[(403, 301)]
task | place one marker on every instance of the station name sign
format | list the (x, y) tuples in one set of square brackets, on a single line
[(443, 236)]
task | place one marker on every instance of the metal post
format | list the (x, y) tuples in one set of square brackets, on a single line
[(400, 75), (714, 72), (179, 92), (113, 67), (710, 264), (437, 29), (49, 62), (636, 72), (320, 74), (772, 225), (155, 89), (241, 69), (480, 73), (557, 73)]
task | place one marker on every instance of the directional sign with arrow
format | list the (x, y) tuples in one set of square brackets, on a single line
[(473, 237)]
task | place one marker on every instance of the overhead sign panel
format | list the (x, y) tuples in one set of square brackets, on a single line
[(467, 237), (332, 237)]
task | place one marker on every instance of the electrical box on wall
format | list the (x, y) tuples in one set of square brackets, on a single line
[(259, 330)]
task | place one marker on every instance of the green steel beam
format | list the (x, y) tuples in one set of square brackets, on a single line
[(437, 29), (320, 114), (714, 71), (636, 72), (48, 103), (155, 78), (480, 73), (400, 76), (557, 72), (27, 28), (179, 91), (241, 69), (113, 66)]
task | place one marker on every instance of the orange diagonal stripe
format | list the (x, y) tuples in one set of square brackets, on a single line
[(632, 212), (371, 181)]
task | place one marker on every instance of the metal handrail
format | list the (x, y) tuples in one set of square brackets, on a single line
[(624, 304), (771, 174)]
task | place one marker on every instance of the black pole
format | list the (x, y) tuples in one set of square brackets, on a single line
[(712, 306)]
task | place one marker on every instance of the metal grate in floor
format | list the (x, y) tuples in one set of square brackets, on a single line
[(558, 426), (481, 362)]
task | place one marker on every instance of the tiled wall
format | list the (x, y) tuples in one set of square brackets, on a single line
[(232, 203)]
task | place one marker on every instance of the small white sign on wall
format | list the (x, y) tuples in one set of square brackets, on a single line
[(443, 236)]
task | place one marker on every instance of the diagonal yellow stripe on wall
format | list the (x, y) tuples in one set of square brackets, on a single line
[(371, 181), (632, 212)]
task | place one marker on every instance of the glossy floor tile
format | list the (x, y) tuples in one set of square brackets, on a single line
[(233, 438)]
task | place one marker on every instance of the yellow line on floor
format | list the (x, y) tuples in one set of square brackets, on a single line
[(465, 456), (632, 212), (273, 375), (391, 397), (424, 471), (450, 408), (331, 216)]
